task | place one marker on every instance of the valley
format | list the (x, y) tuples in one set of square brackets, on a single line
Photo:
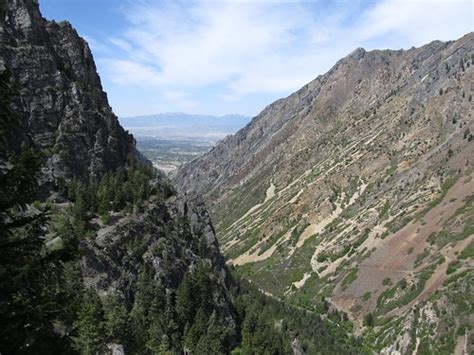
[(357, 190), (339, 220), (169, 140), (168, 155)]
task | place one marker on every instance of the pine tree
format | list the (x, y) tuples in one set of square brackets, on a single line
[(90, 328), (369, 320), (155, 338), (185, 308), (197, 330), (164, 348), (116, 321), (30, 277)]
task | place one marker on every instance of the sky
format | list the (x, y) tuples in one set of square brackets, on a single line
[(223, 57)]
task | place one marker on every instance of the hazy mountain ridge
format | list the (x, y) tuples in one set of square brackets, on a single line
[(359, 188), (185, 126), (171, 139)]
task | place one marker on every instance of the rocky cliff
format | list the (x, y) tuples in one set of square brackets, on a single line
[(358, 188), (122, 246), (61, 107), (171, 238)]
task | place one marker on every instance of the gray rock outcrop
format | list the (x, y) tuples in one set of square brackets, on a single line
[(61, 107)]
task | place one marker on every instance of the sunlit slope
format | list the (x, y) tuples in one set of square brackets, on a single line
[(358, 188)]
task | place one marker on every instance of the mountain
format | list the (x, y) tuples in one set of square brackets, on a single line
[(358, 190), (61, 107), (100, 257), (99, 253), (184, 126)]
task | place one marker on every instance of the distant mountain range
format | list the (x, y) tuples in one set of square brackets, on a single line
[(182, 125)]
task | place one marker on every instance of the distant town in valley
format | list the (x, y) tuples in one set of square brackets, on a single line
[(169, 140)]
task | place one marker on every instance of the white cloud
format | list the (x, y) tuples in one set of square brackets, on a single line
[(128, 72), (122, 44), (260, 47), (418, 21)]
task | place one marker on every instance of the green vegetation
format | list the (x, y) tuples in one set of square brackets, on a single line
[(366, 296), (443, 237), (391, 170), (448, 183), (348, 249), (398, 223), (468, 252), (296, 233), (247, 196), (186, 319), (126, 189), (369, 320), (467, 208), (386, 295), (387, 301), (349, 278), (421, 256), (384, 212), (453, 266), (269, 326)]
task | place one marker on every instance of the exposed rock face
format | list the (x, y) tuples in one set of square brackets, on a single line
[(298, 131), (359, 183), (171, 236), (63, 112), (62, 108)]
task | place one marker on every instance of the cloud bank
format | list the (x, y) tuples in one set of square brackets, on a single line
[(233, 56)]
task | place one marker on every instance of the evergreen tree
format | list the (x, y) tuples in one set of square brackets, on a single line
[(116, 321), (165, 347), (197, 330), (30, 275), (369, 320), (185, 307), (90, 339)]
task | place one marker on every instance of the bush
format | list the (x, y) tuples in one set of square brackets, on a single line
[(369, 320)]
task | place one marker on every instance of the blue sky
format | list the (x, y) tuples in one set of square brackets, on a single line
[(220, 57)]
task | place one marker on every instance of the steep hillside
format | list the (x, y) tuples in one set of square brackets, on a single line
[(61, 107), (116, 260), (358, 188), (110, 258)]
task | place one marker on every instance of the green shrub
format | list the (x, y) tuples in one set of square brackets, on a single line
[(349, 278)]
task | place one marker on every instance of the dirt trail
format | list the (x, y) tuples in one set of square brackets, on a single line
[(436, 280), (393, 259)]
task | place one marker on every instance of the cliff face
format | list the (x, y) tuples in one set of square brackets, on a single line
[(55, 104), (171, 238), (358, 188), (61, 106)]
